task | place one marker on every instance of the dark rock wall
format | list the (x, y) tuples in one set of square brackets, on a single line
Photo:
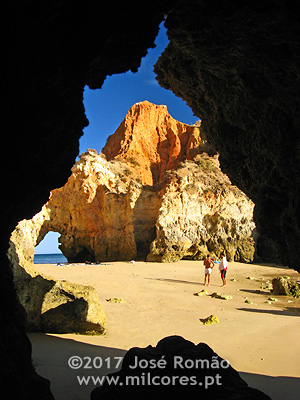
[(237, 66), (235, 63), (51, 50)]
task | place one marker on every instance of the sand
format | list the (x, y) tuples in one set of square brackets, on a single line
[(260, 340)]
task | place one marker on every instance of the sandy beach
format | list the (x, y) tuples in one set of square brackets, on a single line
[(260, 340)]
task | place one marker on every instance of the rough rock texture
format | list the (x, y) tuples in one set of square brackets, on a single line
[(154, 141), (202, 212), (237, 59), (50, 51), (184, 364), (104, 213), (237, 66), (92, 212), (285, 286), (51, 305)]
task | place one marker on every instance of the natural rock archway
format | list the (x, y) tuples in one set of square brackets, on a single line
[(235, 63), (159, 197)]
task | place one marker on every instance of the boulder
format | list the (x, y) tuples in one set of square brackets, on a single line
[(280, 286), (286, 286), (54, 306), (221, 296), (176, 368), (69, 307)]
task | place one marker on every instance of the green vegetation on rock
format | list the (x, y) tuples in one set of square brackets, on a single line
[(221, 296), (285, 286), (272, 299), (202, 293), (212, 319)]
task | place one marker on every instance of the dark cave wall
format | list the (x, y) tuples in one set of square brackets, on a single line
[(237, 66), (235, 63), (51, 50)]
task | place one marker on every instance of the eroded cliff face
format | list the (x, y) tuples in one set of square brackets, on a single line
[(91, 212), (202, 212), (146, 203), (237, 67), (153, 141)]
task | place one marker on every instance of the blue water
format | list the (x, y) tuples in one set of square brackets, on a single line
[(49, 258)]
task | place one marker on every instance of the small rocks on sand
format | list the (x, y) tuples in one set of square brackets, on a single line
[(221, 296), (202, 293), (212, 319), (115, 300)]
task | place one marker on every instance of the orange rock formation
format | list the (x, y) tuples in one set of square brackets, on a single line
[(152, 139), (160, 195)]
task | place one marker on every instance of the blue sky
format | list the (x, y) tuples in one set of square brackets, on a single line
[(106, 108)]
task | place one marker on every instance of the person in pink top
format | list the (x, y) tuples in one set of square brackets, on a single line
[(223, 268)]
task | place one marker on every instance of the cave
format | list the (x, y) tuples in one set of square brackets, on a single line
[(236, 65)]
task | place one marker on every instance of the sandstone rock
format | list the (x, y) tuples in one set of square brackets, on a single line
[(260, 130), (153, 141), (69, 307), (201, 212), (280, 286), (286, 286), (51, 305), (184, 380), (221, 296), (105, 213)]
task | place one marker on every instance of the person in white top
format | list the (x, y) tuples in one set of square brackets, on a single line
[(223, 268)]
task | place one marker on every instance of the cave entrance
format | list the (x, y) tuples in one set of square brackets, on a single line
[(47, 251), (105, 108)]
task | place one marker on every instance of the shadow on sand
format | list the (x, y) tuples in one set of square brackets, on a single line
[(257, 291), (51, 355), (271, 265), (175, 281), (278, 388), (291, 312)]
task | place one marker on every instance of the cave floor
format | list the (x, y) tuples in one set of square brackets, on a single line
[(260, 340)]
